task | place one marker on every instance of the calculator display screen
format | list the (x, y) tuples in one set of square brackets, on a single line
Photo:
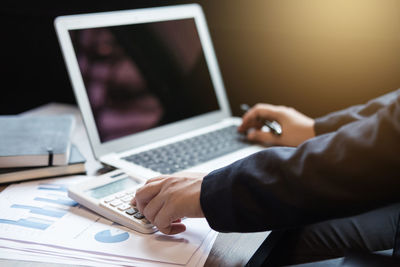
[(111, 188)]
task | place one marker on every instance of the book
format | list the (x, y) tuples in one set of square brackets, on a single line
[(27, 141), (76, 165)]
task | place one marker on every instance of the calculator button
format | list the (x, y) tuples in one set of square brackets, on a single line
[(131, 211), (124, 207), (109, 199), (120, 195), (138, 215), (116, 203), (126, 199)]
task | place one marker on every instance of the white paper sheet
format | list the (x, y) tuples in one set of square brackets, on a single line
[(15, 250), (39, 212)]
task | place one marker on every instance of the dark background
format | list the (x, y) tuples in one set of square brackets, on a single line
[(317, 56)]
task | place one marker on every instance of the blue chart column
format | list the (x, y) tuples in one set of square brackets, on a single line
[(57, 199), (53, 187), (29, 222), (47, 211)]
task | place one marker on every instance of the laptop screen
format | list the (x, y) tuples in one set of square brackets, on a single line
[(141, 76)]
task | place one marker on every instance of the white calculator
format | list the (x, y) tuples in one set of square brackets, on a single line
[(109, 195)]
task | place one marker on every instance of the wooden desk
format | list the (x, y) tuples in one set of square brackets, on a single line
[(233, 249)]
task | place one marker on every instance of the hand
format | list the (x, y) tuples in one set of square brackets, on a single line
[(164, 200), (296, 127)]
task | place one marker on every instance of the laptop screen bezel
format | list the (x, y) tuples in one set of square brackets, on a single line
[(64, 24)]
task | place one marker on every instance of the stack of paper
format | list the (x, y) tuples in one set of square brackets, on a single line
[(40, 223)]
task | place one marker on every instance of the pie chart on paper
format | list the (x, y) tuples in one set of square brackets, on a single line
[(111, 236)]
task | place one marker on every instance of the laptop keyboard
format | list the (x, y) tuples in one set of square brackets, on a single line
[(190, 152)]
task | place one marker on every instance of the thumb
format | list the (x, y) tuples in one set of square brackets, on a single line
[(263, 137), (173, 229)]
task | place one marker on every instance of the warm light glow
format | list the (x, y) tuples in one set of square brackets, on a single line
[(300, 52)]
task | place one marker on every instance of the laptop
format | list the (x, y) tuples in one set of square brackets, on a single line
[(150, 91)]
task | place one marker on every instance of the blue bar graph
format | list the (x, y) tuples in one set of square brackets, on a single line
[(57, 199), (53, 187), (30, 222), (57, 213)]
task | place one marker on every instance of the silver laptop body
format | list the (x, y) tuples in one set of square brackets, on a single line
[(145, 79)]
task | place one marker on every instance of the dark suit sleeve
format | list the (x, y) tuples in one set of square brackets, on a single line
[(341, 173), (333, 121)]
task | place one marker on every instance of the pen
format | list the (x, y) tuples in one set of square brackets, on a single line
[(273, 126)]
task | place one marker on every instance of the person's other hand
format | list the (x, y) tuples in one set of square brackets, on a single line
[(296, 127), (164, 200)]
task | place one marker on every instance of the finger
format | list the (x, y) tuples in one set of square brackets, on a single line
[(146, 193), (263, 137), (155, 179), (152, 208), (133, 201), (164, 219), (173, 229), (249, 121), (254, 117)]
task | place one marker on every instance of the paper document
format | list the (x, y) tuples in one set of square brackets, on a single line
[(38, 218)]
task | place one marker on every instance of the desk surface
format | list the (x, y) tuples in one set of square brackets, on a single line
[(232, 249)]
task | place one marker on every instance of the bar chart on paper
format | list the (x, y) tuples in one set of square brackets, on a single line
[(30, 222), (47, 211), (53, 187), (36, 209), (55, 198), (40, 213)]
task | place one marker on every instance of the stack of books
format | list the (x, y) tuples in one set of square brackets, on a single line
[(33, 147)]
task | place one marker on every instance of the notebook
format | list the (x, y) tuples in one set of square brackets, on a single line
[(28, 141), (150, 91), (75, 165)]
